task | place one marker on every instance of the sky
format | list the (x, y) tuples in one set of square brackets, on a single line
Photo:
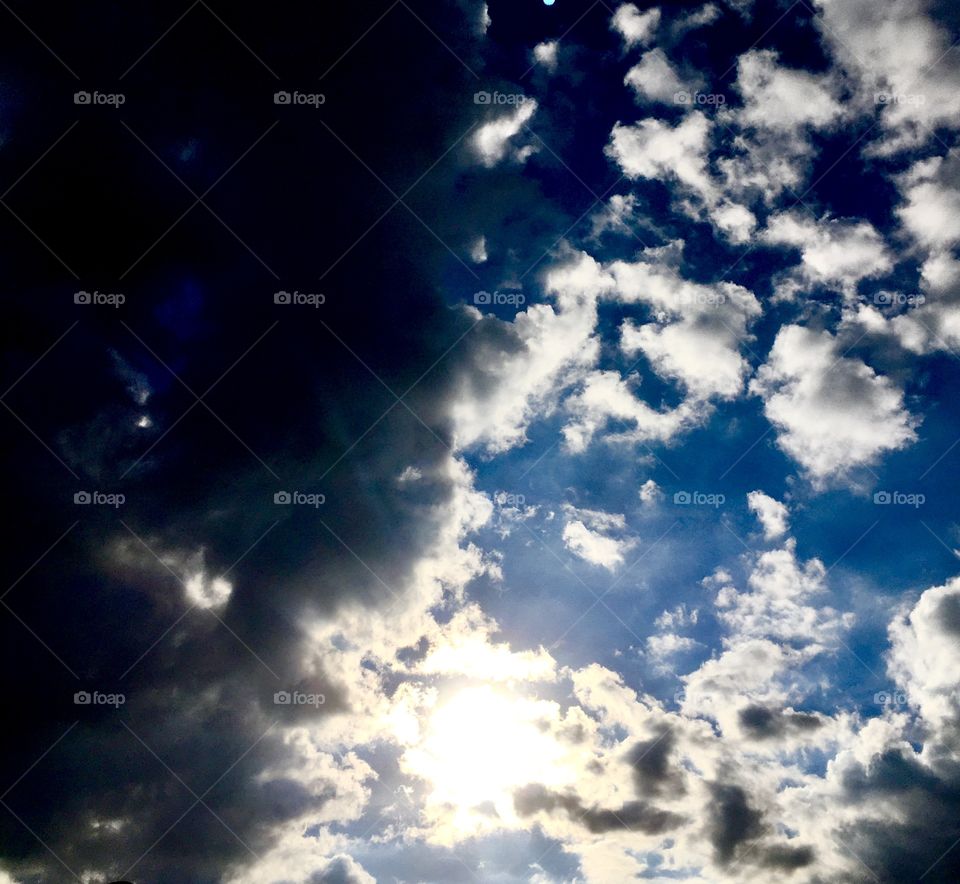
[(480, 442)]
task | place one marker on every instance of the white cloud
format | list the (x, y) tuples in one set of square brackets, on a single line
[(931, 208), (834, 253), (925, 654), (773, 515), (654, 149), (492, 140), (589, 534), (485, 19), (520, 369), (636, 27), (700, 329), (650, 492), (654, 78), (545, 54), (606, 396), (698, 18), (833, 412), (896, 49), (478, 250), (777, 97), (668, 644)]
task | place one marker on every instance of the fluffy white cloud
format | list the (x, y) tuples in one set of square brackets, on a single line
[(834, 253), (606, 396), (597, 537), (698, 331), (782, 98), (773, 515), (654, 149), (650, 492), (900, 62), (636, 27), (655, 79), (491, 141), (698, 18), (925, 654), (520, 369), (833, 412), (545, 54)]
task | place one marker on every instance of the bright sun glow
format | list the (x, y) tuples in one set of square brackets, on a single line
[(479, 747)]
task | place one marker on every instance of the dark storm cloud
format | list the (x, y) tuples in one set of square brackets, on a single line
[(735, 830), (733, 820), (763, 723), (922, 840), (654, 771), (948, 613), (633, 815), (285, 408)]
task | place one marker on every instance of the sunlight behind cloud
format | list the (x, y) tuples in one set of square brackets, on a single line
[(479, 747)]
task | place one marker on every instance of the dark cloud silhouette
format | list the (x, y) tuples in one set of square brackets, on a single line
[(633, 815), (286, 406), (732, 821), (654, 771), (762, 723)]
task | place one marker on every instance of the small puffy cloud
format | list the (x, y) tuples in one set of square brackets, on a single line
[(778, 97), (834, 413), (773, 515), (660, 647), (698, 18), (834, 253), (605, 396), (485, 20), (650, 492), (546, 54), (931, 201), (478, 250), (492, 140), (591, 535), (618, 215), (637, 28), (699, 330), (207, 592), (654, 149), (653, 78)]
